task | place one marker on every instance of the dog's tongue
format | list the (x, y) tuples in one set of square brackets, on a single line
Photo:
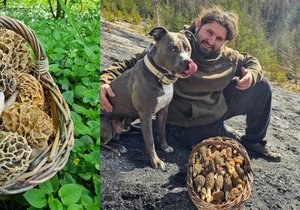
[(192, 68)]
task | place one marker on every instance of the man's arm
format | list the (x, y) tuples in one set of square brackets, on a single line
[(117, 68), (111, 73), (248, 70)]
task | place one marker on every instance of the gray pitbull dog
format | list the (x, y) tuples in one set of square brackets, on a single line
[(147, 89)]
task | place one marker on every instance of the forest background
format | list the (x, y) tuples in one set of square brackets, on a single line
[(69, 31), (268, 29)]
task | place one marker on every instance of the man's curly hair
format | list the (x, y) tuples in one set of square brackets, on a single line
[(227, 19)]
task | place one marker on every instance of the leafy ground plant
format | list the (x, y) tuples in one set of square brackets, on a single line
[(59, 195), (74, 64)]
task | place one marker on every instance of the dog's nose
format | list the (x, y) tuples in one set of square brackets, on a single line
[(185, 64)]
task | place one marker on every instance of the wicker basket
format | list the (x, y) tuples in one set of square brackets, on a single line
[(55, 156), (239, 201)]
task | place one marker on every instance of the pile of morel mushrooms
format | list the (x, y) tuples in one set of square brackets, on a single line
[(25, 122), (218, 173)]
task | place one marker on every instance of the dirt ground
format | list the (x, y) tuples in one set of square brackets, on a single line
[(128, 181)]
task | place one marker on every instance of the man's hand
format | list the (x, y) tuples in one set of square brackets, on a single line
[(105, 90), (246, 81)]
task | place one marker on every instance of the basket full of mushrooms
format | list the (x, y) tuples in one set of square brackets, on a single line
[(36, 130), (219, 174)]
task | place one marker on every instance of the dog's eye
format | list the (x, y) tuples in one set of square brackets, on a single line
[(174, 49)]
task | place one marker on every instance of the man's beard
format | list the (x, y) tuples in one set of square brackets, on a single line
[(208, 53), (203, 51)]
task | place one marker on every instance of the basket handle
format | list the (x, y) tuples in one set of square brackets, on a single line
[(41, 60)]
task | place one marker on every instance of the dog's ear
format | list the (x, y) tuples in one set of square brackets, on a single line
[(158, 32), (189, 35)]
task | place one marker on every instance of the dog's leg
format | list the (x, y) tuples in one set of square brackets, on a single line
[(161, 118), (109, 131), (117, 148), (146, 126)]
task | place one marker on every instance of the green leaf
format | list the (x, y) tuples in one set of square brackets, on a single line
[(36, 198), (86, 140), (55, 204), (65, 87), (55, 183), (95, 127), (91, 96), (96, 180), (57, 35), (68, 96), (93, 157), (97, 200), (75, 207), (70, 193), (80, 90), (86, 81), (81, 129), (90, 67), (60, 50), (89, 52), (86, 200), (46, 187), (72, 53), (93, 207), (54, 68), (79, 109), (67, 178), (32, 208)]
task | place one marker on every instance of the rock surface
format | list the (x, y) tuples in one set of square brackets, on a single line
[(128, 181)]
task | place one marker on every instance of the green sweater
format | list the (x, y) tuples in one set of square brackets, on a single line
[(198, 99)]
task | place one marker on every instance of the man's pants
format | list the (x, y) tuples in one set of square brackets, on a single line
[(255, 103)]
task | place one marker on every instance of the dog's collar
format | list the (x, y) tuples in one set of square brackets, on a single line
[(162, 77)]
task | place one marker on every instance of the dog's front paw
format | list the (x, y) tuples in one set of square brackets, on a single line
[(117, 148), (122, 150), (168, 149), (158, 163)]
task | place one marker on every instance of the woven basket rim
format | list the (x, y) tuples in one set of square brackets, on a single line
[(55, 157), (238, 202)]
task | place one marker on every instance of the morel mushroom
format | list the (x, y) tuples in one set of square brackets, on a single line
[(2, 99), (8, 83), (227, 185), (211, 166), (235, 192), (30, 122), (199, 181), (203, 156), (236, 180), (219, 161), (209, 184), (217, 197), (30, 89), (13, 51), (197, 168), (14, 155), (230, 166), (203, 193), (219, 183), (240, 171), (239, 160)]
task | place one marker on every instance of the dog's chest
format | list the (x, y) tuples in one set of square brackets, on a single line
[(165, 99)]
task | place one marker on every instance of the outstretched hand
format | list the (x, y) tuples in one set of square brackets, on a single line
[(246, 81), (105, 90)]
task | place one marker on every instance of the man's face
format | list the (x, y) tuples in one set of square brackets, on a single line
[(211, 38)]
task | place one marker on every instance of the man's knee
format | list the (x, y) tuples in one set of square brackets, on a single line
[(264, 85)]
